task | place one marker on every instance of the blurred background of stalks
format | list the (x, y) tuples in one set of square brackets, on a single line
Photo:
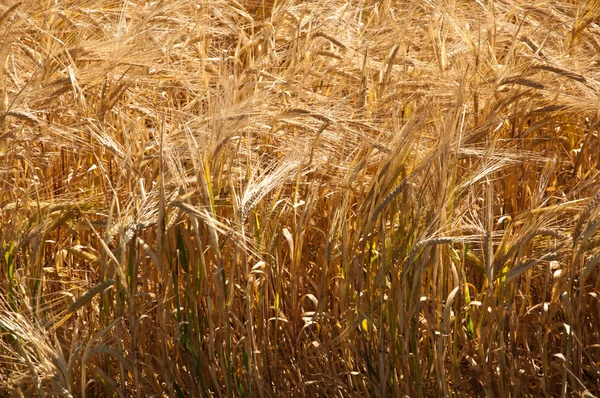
[(299, 198)]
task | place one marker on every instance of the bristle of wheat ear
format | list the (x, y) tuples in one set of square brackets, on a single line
[(6, 13), (82, 301), (584, 216), (89, 295), (26, 116), (561, 71), (522, 82)]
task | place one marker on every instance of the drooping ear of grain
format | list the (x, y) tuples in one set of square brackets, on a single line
[(261, 10), (299, 198)]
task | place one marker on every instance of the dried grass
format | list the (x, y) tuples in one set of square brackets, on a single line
[(325, 198)]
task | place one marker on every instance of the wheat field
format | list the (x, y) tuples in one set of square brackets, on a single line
[(318, 198)]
